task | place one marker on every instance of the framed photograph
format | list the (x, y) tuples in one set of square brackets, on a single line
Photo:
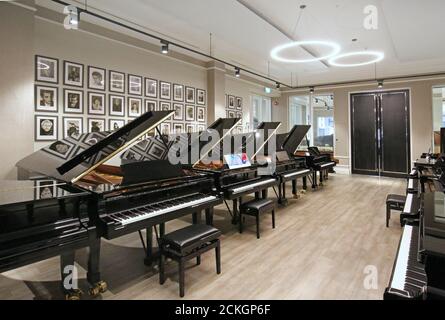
[(190, 113), (117, 105), (200, 114), (117, 81), (165, 90), (239, 103), (230, 102), (189, 95), (231, 114), (72, 74), (239, 114), (165, 128), (151, 88), (200, 127), (45, 189), (178, 128), (134, 107), (47, 69), (189, 127), (151, 105), (46, 98), (178, 92), (164, 106), (201, 97), (96, 78), (96, 125), (45, 128), (179, 111), (72, 101), (115, 124), (72, 126), (134, 85), (96, 103)]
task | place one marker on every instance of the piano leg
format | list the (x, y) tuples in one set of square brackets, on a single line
[(257, 195), (209, 216), (264, 193), (282, 194), (304, 183), (148, 260), (321, 177), (314, 179), (68, 282), (235, 211), (93, 275), (161, 230)]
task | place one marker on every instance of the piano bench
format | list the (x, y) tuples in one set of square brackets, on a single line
[(188, 243), (394, 202), (256, 208)]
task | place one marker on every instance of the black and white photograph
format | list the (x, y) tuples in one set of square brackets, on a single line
[(72, 101), (46, 98), (189, 127), (72, 126), (189, 113), (96, 125), (96, 78), (231, 114), (239, 114), (165, 128), (239, 103), (96, 103), (200, 127), (178, 92), (134, 85), (165, 90), (164, 106), (46, 128), (47, 69), (156, 151), (116, 105), (201, 97), (117, 81), (45, 189), (231, 102), (72, 74), (179, 111), (151, 88), (189, 95), (178, 128), (114, 124), (134, 107), (151, 105), (61, 149), (200, 114)]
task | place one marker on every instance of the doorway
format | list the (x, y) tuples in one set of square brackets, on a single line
[(380, 133)]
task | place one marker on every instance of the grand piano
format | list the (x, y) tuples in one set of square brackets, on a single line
[(95, 196)]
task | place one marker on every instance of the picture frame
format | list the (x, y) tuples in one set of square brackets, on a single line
[(231, 114), (230, 101), (134, 107), (114, 124), (46, 128), (151, 88), (239, 114), (179, 111), (72, 74), (189, 113), (239, 103), (178, 92), (189, 95), (189, 128), (178, 128), (116, 105), (165, 90), (200, 127), (200, 114), (150, 105), (201, 97), (45, 189), (117, 81), (134, 85), (46, 69), (165, 128), (46, 98), (72, 126), (95, 125), (72, 101), (164, 106), (97, 78), (96, 103)]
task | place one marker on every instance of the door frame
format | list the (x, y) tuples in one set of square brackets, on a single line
[(410, 107)]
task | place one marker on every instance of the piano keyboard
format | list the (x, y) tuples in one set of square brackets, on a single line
[(408, 203), (327, 164), (152, 210), (410, 183), (296, 173), (251, 186), (409, 275)]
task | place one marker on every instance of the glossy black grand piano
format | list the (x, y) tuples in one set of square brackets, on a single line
[(104, 198)]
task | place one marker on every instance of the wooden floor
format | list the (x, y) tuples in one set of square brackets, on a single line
[(319, 250)]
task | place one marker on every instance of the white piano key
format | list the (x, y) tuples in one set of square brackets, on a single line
[(296, 173), (399, 276), (251, 186), (408, 203), (410, 183)]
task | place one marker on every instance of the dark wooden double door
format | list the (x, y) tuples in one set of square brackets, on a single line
[(380, 133)]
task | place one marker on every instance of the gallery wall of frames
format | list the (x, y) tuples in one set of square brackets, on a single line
[(73, 98), (234, 109)]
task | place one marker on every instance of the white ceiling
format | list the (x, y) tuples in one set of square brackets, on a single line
[(410, 32)]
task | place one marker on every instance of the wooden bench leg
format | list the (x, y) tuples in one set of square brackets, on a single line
[(181, 276), (258, 226), (388, 215), (161, 269), (218, 257), (240, 222), (273, 218), (198, 260)]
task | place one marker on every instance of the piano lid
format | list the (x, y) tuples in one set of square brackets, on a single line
[(72, 158), (294, 138), (265, 135)]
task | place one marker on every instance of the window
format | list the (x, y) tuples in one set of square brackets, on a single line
[(438, 116), (261, 110)]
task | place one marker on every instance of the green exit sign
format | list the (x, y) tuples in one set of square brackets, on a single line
[(267, 90)]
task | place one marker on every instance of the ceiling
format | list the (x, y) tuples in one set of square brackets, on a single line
[(245, 31)]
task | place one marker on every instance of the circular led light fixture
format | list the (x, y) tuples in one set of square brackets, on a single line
[(335, 49), (375, 55)]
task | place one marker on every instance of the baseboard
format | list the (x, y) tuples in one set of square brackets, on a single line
[(342, 169)]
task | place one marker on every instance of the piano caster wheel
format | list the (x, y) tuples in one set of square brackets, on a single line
[(98, 288), (73, 295)]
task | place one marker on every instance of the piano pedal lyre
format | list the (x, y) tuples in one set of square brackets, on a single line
[(74, 294), (98, 288)]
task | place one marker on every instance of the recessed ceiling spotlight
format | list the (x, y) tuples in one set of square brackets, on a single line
[(376, 57), (380, 84), (311, 89), (335, 49), (237, 72), (164, 47)]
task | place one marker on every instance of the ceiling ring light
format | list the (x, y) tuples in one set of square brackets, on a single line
[(377, 56), (276, 51)]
